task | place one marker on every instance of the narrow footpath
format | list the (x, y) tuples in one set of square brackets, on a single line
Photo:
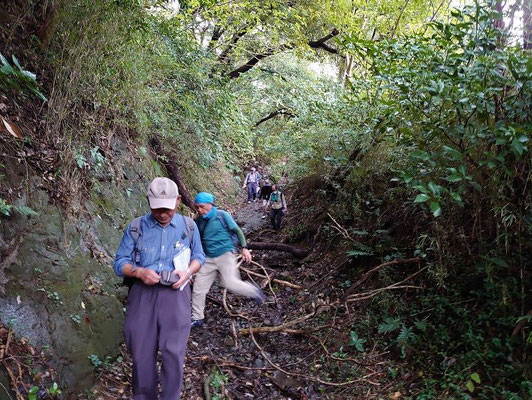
[(294, 346)]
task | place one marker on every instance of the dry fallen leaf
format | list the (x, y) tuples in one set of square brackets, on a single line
[(13, 129)]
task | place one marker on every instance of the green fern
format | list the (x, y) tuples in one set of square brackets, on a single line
[(5, 208), (355, 253), (25, 211), (406, 336), (389, 325)]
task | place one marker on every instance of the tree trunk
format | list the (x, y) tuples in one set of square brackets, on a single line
[(527, 25), (173, 171)]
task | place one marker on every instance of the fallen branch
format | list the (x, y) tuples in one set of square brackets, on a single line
[(5, 349), (224, 363), (234, 332), (365, 277), (7, 391), (397, 285), (277, 328), (298, 253), (279, 281), (341, 229), (311, 378), (14, 382), (207, 383), (227, 309)]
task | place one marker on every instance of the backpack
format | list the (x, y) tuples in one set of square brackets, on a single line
[(136, 233), (276, 200), (220, 217)]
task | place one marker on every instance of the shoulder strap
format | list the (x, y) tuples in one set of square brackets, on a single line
[(221, 217), (189, 227), (136, 233), (202, 224)]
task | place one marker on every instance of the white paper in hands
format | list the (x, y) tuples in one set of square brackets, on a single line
[(181, 262)]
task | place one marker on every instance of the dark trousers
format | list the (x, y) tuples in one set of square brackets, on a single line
[(157, 319), (265, 192), (252, 191), (276, 215)]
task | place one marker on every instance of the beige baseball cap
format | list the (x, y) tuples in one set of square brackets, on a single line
[(162, 193)]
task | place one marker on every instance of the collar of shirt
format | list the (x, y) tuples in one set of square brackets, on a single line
[(210, 213), (152, 221)]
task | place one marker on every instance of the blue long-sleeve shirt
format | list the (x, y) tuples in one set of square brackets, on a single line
[(159, 245)]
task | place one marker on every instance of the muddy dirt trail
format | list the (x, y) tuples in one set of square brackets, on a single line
[(221, 356), (298, 345)]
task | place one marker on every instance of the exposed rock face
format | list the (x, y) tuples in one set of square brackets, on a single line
[(57, 285)]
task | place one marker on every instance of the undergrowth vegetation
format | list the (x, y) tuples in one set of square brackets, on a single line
[(123, 72), (440, 169)]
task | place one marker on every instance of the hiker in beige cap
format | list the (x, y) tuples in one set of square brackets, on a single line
[(158, 304)]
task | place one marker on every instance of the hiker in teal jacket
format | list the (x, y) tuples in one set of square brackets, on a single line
[(217, 229)]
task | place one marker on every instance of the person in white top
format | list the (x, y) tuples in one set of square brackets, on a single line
[(252, 184)]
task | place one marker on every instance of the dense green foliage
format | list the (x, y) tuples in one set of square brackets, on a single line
[(428, 146), (138, 71), (441, 120)]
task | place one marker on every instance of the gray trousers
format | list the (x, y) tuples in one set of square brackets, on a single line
[(227, 266), (252, 190), (157, 319)]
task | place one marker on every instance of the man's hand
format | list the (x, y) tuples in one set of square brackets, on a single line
[(246, 256), (148, 276), (243, 186), (183, 277)]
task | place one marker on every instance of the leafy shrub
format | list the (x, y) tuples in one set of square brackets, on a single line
[(16, 77)]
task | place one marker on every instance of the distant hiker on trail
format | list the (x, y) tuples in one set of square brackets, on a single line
[(158, 303), (265, 191), (218, 230), (277, 205), (252, 183)]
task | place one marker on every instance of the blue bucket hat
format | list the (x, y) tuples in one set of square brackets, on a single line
[(204, 197)]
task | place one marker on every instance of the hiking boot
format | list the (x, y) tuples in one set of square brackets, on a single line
[(259, 298), (249, 201), (196, 323)]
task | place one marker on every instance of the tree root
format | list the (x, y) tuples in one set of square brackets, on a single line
[(279, 281), (298, 253), (263, 329)]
